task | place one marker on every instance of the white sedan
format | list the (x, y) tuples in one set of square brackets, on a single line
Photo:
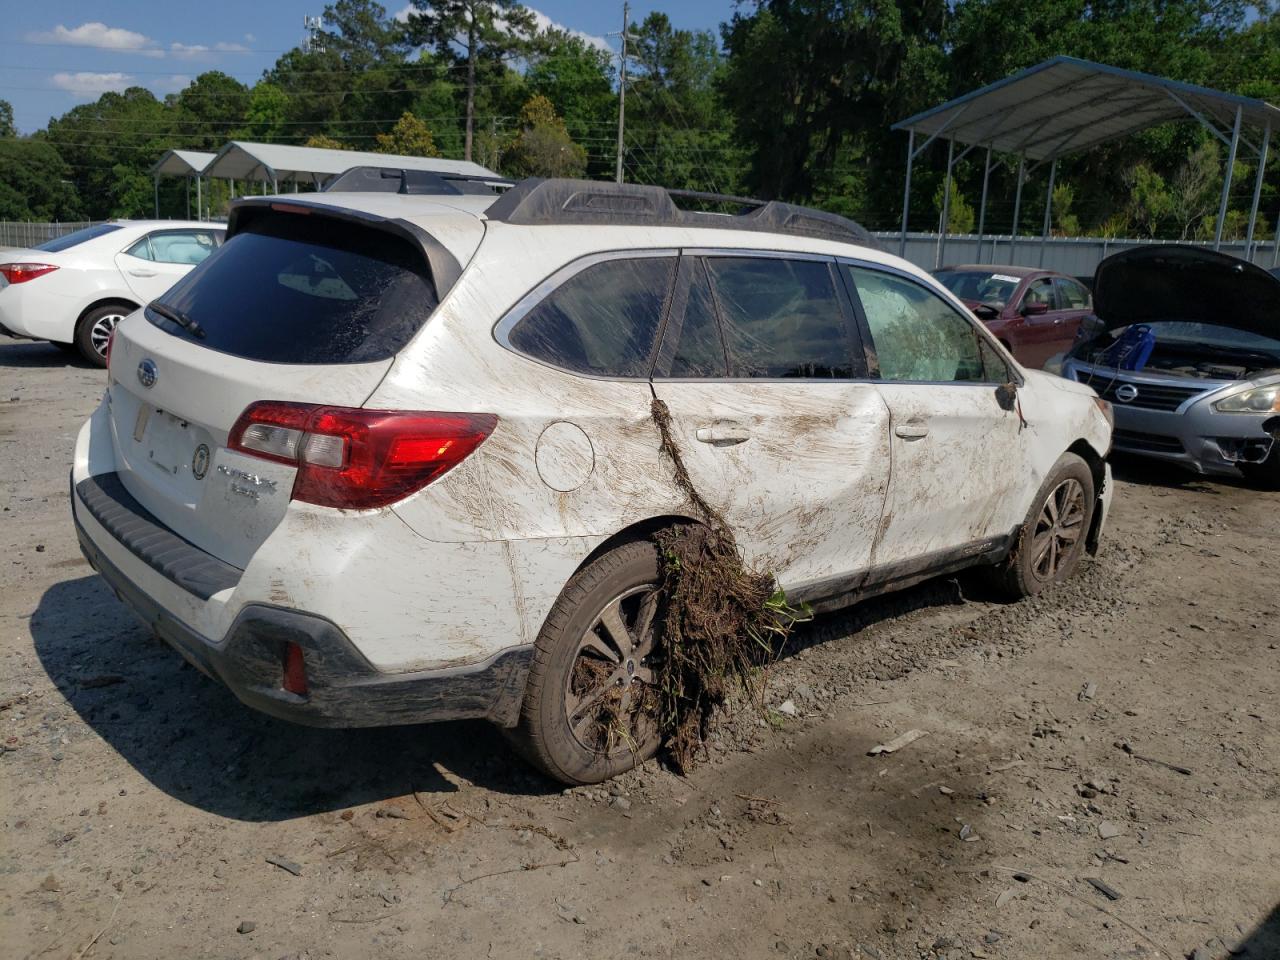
[(73, 290)]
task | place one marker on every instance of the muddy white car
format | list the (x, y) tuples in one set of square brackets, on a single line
[(389, 457)]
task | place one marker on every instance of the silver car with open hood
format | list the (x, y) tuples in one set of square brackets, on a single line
[(1186, 345)]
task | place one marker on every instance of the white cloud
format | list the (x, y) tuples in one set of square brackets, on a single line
[(544, 22), (249, 38), (199, 51), (91, 84), (96, 34)]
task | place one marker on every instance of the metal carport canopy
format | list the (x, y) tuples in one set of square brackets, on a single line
[(272, 162), (1065, 105), (181, 163)]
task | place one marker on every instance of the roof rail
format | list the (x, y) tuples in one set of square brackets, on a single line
[(542, 202), (368, 179)]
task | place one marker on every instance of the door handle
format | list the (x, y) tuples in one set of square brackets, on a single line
[(723, 434), (913, 430), (142, 273)]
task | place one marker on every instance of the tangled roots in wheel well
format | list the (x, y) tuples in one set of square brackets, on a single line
[(720, 618)]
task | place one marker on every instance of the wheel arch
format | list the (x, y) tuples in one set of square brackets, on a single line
[(1098, 468), (103, 301), (640, 530)]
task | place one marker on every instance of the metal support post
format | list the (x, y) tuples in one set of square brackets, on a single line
[(1017, 206), (157, 195), (1257, 193), (906, 192), (1226, 180), (199, 198), (982, 205), (946, 208), (1048, 210)]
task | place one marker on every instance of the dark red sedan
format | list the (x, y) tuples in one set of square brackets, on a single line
[(1035, 313)]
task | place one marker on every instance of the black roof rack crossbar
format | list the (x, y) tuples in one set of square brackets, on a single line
[(546, 202), (368, 179)]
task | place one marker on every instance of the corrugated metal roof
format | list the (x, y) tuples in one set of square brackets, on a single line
[(1065, 105), (181, 163), (240, 160)]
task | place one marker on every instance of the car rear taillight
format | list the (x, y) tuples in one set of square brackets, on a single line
[(293, 670), (22, 272), (354, 458)]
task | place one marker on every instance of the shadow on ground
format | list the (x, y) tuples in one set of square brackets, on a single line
[(1263, 942), (35, 354), (1156, 473), (190, 737)]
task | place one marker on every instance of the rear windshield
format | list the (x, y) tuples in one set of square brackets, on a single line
[(304, 289), (80, 236), (985, 286)]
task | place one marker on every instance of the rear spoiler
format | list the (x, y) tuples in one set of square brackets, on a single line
[(445, 269)]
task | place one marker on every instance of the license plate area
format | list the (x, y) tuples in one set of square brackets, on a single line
[(167, 441)]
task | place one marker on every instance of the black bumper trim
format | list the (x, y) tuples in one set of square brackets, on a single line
[(191, 568), (344, 689)]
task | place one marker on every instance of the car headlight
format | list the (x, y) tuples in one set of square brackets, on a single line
[(1254, 400)]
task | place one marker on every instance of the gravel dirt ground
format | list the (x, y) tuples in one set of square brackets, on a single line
[(146, 813)]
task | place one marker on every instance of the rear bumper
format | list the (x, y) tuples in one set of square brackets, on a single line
[(344, 689)]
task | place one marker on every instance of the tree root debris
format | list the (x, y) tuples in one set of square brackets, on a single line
[(721, 622)]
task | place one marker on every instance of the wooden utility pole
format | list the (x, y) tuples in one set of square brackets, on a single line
[(622, 86)]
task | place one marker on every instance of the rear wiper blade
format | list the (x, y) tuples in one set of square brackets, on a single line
[(178, 317)]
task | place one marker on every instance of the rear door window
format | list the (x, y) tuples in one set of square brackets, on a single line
[(918, 336), (692, 346), (602, 321), (185, 247), (1071, 295), (782, 318), (291, 289)]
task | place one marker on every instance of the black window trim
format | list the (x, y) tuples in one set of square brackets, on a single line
[(939, 290), (677, 304), (856, 336), (525, 305)]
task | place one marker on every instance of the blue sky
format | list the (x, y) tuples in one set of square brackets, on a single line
[(55, 53)]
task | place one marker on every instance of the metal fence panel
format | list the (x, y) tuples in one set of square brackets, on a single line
[(30, 233), (1074, 256)]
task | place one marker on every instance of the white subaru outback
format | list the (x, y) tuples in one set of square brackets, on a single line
[(387, 456)]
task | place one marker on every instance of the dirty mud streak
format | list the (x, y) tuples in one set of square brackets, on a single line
[(721, 618)]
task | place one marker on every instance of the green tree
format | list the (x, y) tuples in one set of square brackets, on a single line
[(1066, 223), (320, 141), (489, 30), (1149, 200), (960, 215), (543, 147), (7, 128), (409, 137), (35, 182), (363, 34), (266, 113), (1193, 193), (578, 78), (110, 146), (807, 81), (210, 109), (678, 134)]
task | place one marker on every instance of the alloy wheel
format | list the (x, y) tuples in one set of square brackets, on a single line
[(1058, 530), (100, 332), (609, 690)]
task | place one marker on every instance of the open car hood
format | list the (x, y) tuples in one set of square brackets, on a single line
[(1150, 284)]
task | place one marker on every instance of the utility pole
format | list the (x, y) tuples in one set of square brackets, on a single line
[(622, 86)]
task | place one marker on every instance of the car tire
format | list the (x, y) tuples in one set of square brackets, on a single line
[(1051, 541), (560, 732), (94, 330)]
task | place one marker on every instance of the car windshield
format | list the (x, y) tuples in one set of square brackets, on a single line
[(985, 286), (80, 236)]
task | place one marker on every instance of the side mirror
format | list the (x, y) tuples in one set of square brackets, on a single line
[(1034, 308), (1007, 395), (985, 311)]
